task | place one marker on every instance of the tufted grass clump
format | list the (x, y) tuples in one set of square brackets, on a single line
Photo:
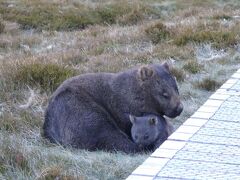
[(193, 67), (157, 32), (45, 76), (133, 17), (219, 39), (178, 73), (208, 84)]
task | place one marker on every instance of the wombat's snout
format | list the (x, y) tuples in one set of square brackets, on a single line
[(179, 108)]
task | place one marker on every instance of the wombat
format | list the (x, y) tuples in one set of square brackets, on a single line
[(91, 111), (150, 131)]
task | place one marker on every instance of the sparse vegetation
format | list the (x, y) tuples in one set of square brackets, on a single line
[(193, 67), (208, 84), (178, 73), (42, 43), (157, 32)]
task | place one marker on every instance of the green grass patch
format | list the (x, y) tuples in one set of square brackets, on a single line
[(157, 32), (45, 76), (218, 39), (208, 84), (193, 67)]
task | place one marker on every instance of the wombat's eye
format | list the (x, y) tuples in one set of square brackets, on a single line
[(165, 95), (145, 137)]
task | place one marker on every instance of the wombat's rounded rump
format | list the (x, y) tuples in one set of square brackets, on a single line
[(91, 111)]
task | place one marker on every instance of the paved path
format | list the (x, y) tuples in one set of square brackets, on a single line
[(206, 146)]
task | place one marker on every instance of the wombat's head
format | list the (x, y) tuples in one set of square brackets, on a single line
[(160, 89), (145, 130)]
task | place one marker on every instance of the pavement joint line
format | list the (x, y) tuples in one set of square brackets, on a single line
[(226, 86), (195, 160), (202, 118), (226, 129), (223, 121), (214, 103), (139, 177), (221, 144), (197, 123), (175, 178), (231, 81), (187, 129), (212, 153), (219, 97), (194, 141), (236, 76), (206, 115), (180, 136), (217, 136)]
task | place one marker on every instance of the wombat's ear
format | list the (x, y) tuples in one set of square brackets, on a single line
[(145, 72), (166, 66), (152, 121), (132, 118)]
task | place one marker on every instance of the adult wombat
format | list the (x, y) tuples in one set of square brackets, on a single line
[(91, 111), (150, 131)]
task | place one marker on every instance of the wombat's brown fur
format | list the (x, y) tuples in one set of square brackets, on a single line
[(91, 111), (150, 131)]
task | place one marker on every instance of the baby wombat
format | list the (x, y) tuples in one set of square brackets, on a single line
[(150, 131)]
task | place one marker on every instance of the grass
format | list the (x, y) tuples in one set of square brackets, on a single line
[(44, 15), (218, 39), (45, 42), (208, 84), (178, 73), (2, 26), (47, 77), (157, 32), (193, 67), (222, 17)]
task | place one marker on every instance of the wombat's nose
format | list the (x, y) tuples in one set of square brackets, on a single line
[(179, 108)]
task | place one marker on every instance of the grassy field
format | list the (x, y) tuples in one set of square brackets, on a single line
[(42, 43)]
